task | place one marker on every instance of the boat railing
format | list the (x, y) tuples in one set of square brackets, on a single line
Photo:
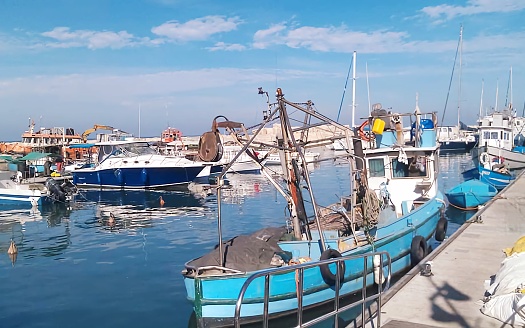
[(384, 265)]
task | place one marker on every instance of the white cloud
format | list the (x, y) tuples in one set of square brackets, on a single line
[(264, 38), (227, 47), (341, 39), (473, 7), (66, 38), (197, 29)]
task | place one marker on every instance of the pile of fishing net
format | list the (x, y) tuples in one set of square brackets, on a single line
[(505, 298)]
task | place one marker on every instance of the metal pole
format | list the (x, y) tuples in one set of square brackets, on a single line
[(353, 89), (219, 225)]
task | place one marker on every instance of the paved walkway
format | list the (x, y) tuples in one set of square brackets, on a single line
[(460, 267)]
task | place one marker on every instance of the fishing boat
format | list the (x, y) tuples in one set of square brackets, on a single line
[(395, 207), (452, 138), (131, 164), (470, 194), (496, 142), (51, 140), (500, 177)]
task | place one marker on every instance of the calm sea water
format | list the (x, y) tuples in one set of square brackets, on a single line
[(77, 269)]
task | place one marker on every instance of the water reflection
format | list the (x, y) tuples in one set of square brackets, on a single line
[(132, 209)]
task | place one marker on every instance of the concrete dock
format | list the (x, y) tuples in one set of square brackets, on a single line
[(461, 265)]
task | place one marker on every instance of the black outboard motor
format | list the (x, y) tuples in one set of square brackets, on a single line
[(55, 190)]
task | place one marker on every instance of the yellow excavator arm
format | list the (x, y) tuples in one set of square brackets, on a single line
[(93, 129)]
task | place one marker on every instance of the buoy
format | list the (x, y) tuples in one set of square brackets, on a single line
[(12, 248), (378, 273), (161, 201), (111, 221)]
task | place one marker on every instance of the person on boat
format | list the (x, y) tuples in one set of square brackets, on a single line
[(59, 161)]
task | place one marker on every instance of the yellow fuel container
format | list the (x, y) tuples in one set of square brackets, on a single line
[(379, 126)]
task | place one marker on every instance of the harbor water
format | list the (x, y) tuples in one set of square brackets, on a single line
[(78, 267)]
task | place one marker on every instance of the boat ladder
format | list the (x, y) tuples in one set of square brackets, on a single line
[(368, 295)]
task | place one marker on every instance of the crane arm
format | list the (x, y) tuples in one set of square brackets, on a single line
[(93, 129)]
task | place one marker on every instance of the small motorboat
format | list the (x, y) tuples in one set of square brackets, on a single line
[(471, 194)]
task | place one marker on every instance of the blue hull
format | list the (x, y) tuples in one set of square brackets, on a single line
[(136, 178), (496, 179), (471, 194), (214, 297), (462, 146)]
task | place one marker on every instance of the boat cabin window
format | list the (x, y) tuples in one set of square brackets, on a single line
[(494, 135), (377, 167), (416, 167)]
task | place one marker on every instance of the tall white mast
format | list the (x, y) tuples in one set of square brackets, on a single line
[(353, 89), (460, 67), (510, 104), (481, 100), (139, 120), (496, 105), (368, 90)]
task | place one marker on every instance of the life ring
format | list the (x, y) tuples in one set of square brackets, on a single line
[(418, 249), (328, 276), (366, 136), (484, 158), (441, 229)]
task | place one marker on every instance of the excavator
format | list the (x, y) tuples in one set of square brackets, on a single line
[(95, 128)]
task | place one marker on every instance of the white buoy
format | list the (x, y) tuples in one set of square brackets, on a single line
[(377, 270)]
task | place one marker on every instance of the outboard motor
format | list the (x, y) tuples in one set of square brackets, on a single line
[(55, 190)]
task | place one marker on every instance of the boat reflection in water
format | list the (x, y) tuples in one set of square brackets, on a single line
[(132, 209)]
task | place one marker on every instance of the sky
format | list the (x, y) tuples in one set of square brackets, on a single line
[(145, 65)]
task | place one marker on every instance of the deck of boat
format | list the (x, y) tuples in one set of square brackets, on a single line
[(461, 265)]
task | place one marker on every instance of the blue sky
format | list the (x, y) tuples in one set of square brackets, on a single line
[(79, 63)]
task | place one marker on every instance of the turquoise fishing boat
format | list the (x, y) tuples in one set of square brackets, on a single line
[(471, 194), (395, 207)]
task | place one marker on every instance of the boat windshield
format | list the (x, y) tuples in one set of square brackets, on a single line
[(136, 149), (125, 150)]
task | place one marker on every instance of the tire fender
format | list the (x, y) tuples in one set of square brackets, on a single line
[(418, 249), (441, 229), (328, 276)]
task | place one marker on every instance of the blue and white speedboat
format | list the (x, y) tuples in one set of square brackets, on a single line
[(135, 165), (396, 208), (19, 192)]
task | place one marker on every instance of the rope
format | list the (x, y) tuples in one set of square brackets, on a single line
[(371, 208), (464, 208)]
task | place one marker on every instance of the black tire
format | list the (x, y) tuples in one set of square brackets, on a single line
[(441, 229), (418, 250), (328, 276)]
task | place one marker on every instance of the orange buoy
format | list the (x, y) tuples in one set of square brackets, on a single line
[(12, 248), (161, 201)]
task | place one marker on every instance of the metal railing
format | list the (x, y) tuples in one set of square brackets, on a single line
[(385, 263)]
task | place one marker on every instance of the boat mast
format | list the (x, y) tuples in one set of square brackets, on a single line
[(481, 100), (496, 105), (368, 90), (353, 88), (460, 67)]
